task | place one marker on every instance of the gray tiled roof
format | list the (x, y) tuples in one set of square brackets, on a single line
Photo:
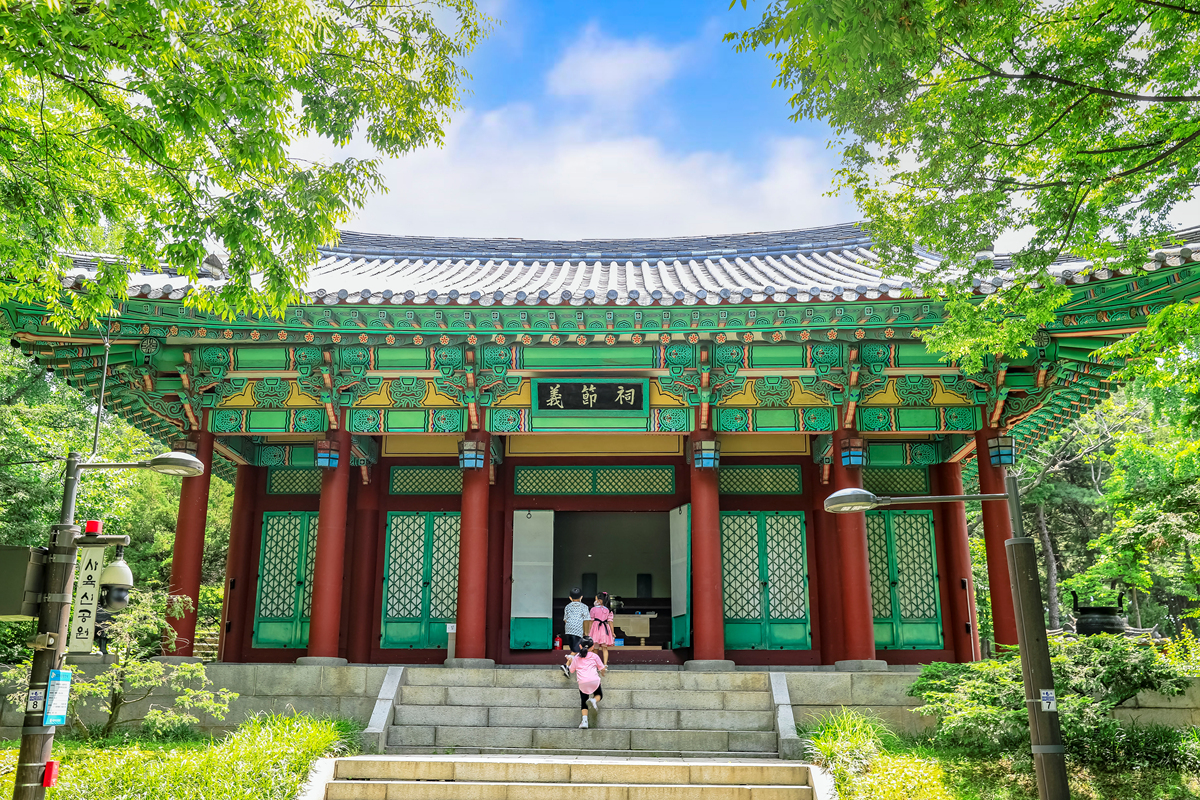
[(830, 263)]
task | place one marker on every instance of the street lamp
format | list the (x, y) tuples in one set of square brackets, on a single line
[(55, 605), (1048, 753)]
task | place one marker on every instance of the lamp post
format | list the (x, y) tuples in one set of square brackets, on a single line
[(1048, 754), (50, 641)]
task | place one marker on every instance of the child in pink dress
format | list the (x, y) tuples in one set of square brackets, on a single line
[(601, 629), (587, 668)]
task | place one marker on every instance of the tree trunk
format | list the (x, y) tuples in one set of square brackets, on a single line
[(1137, 609), (1051, 569), (115, 700)]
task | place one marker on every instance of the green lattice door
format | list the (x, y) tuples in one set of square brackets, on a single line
[(420, 582), (681, 576), (285, 576), (904, 579), (764, 571)]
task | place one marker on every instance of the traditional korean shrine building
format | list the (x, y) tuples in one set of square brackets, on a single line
[(457, 431)]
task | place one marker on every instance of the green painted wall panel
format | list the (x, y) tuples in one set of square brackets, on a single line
[(401, 358), (260, 358), (262, 421), (403, 421), (775, 419), (743, 636), (638, 357), (917, 419), (779, 355), (592, 422), (530, 633), (915, 355), (302, 456), (886, 454)]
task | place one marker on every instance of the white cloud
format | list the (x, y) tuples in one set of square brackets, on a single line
[(503, 174), (613, 73)]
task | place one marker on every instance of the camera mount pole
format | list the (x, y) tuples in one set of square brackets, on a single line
[(1049, 755), (50, 642), (49, 645)]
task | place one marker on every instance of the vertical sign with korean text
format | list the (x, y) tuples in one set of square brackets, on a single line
[(87, 597)]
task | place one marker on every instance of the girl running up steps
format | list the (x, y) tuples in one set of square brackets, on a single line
[(601, 629), (588, 669)]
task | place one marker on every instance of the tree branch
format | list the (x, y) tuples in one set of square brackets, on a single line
[(1042, 76)]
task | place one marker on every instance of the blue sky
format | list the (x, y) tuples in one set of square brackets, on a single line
[(614, 118)]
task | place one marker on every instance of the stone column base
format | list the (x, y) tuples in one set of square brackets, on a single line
[(861, 665), (470, 663), (709, 666), (321, 661)]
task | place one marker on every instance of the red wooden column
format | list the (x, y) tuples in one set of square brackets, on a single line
[(823, 530), (188, 555), (858, 619), (964, 628), (495, 617), (997, 528), (325, 624), (708, 605), (471, 639), (365, 569), (237, 566)]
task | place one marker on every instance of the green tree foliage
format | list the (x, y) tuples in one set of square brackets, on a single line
[(1076, 121), (124, 688), (41, 419), (163, 127), (1152, 499), (980, 706)]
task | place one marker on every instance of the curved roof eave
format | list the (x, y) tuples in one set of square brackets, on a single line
[(831, 264)]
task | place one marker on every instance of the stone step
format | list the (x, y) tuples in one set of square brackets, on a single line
[(550, 770), (617, 678), (575, 738), (532, 777), (567, 716), (478, 790), (576, 753), (567, 696)]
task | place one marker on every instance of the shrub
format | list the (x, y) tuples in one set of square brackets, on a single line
[(981, 706), (164, 727), (135, 636), (845, 742), (13, 636)]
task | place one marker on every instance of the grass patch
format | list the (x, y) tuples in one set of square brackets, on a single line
[(868, 762), (266, 758)]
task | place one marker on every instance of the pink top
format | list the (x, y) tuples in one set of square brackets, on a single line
[(602, 629), (587, 672)]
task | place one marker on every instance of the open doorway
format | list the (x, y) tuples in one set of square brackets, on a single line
[(628, 555)]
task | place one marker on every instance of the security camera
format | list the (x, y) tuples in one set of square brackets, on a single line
[(115, 582)]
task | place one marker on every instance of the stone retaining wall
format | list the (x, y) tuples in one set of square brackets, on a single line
[(879, 693), (345, 692), (350, 692), (1151, 708)]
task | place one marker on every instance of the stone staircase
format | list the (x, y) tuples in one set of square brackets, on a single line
[(677, 714), (205, 647), (537, 777)]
